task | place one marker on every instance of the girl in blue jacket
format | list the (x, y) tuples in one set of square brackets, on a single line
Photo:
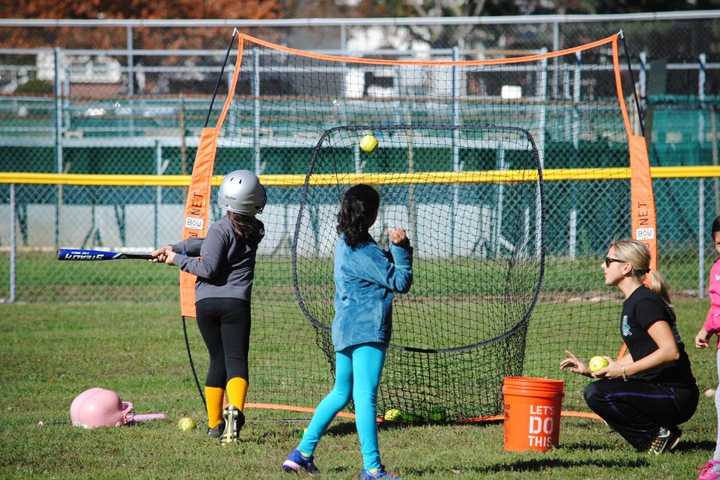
[(365, 278)]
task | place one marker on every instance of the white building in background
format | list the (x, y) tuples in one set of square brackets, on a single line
[(380, 81), (80, 68)]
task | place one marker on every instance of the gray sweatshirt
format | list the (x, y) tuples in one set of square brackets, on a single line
[(225, 267)]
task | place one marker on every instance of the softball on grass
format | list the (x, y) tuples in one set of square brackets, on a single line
[(186, 424), (597, 363), (393, 415), (409, 417), (710, 392), (368, 143), (437, 414)]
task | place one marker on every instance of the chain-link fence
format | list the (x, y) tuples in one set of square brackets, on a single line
[(139, 111), (137, 106), (140, 217), (62, 106)]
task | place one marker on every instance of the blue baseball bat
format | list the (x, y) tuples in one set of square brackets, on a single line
[(98, 255)]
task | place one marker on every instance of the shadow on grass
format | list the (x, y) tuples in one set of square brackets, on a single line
[(527, 466), (683, 446), (588, 446), (691, 446), (343, 472), (346, 428), (405, 426), (264, 438)]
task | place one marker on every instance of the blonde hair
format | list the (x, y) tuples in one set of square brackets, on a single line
[(637, 254)]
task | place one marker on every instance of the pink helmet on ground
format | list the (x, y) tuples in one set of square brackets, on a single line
[(99, 407)]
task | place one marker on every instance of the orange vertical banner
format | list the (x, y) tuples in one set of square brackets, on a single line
[(195, 220), (642, 204), (197, 203), (642, 199)]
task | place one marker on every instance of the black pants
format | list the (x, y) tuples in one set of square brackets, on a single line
[(224, 324), (636, 409)]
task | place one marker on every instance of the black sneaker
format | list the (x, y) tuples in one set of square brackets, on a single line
[(217, 431), (234, 420), (666, 440)]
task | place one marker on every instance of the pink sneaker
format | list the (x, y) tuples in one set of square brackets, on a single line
[(710, 471)]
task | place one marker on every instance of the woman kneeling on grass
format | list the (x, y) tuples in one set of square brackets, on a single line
[(647, 393), (365, 278)]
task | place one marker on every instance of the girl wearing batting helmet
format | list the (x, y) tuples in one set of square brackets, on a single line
[(224, 263)]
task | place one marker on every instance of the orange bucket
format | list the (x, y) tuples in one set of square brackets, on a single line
[(532, 413)]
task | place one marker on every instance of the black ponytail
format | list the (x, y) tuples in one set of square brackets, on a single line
[(357, 214)]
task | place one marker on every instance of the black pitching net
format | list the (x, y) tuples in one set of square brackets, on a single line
[(478, 256)]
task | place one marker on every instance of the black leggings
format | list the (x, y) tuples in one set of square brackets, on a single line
[(637, 409), (224, 324)]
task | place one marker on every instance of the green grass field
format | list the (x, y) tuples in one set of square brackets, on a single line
[(52, 352)]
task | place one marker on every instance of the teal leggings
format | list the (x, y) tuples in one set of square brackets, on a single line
[(357, 376)]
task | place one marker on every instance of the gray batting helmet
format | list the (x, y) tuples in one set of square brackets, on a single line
[(241, 192)]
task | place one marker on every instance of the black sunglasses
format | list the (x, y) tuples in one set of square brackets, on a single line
[(609, 260)]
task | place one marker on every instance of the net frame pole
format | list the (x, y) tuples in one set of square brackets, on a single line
[(576, 95), (256, 110), (58, 137), (642, 74), (455, 146), (701, 238), (13, 246), (412, 209), (701, 184), (158, 195), (543, 90), (502, 166)]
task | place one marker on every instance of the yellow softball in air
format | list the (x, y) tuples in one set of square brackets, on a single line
[(368, 143)]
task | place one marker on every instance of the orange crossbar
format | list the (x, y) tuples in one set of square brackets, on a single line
[(430, 63), (291, 408)]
